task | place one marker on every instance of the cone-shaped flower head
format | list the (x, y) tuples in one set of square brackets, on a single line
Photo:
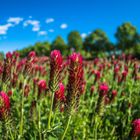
[(55, 69), (59, 94), (75, 80), (42, 84), (9, 55), (32, 54), (136, 128), (4, 104), (103, 88), (124, 75), (114, 93), (102, 100)]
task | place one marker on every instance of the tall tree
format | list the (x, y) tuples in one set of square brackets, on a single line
[(75, 40), (59, 44), (126, 36), (42, 48), (97, 41)]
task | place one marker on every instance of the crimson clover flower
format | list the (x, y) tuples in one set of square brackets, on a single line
[(42, 86), (32, 54), (56, 61), (135, 128), (4, 104), (59, 94), (75, 80), (102, 99), (103, 89)]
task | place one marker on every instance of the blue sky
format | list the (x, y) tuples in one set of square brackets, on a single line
[(24, 22)]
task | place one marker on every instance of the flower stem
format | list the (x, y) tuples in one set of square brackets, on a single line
[(12, 138), (50, 113), (96, 128), (22, 112), (53, 118), (21, 120), (39, 122), (67, 126)]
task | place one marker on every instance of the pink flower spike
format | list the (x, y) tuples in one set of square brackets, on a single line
[(56, 58), (32, 54), (136, 127), (4, 104), (42, 85), (59, 94), (103, 88), (9, 55), (76, 57)]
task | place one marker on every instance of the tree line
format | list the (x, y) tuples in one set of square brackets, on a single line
[(95, 44)]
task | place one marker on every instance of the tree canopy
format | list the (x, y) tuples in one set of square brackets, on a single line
[(126, 36), (97, 41), (75, 40), (127, 40), (59, 44)]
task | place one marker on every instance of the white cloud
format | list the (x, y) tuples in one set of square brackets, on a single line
[(36, 28), (34, 23), (51, 30), (4, 28), (11, 22), (15, 20), (42, 33), (49, 20), (63, 26), (83, 35)]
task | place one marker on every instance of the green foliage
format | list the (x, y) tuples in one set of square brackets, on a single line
[(96, 42), (126, 36), (75, 40), (28, 116), (136, 51), (41, 48), (59, 44)]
